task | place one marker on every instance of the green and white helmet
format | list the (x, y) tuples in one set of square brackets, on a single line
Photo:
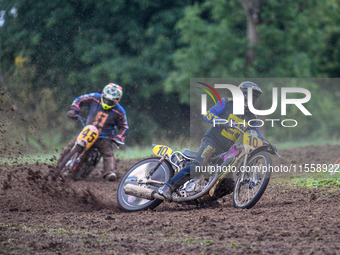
[(112, 93)]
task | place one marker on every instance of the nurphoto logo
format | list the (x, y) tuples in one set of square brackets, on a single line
[(239, 100)]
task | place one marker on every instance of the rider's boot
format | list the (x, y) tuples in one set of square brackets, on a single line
[(175, 182), (166, 192), (108, 165), (110, 177)]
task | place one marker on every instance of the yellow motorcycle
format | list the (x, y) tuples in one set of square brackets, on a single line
[(249, 160), (80, 161)]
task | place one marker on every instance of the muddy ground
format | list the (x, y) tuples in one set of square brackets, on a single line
[(41, 216)]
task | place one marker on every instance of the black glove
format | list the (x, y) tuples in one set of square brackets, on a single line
[(118, 140), (72, 114)]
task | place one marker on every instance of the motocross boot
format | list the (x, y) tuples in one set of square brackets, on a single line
[(166, 192), (110, 177), (108, 164)]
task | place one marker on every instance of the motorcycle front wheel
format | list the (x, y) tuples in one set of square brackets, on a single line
[(131, 203), (67, 164), (252, 181)]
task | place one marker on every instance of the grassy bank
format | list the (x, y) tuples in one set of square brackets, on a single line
[(305, 143)]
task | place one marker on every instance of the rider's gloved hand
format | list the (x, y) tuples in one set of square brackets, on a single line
[(118, 140), (72, 114)]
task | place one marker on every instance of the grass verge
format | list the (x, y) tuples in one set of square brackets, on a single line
[(317, 183), (126, 153), (318, 180), (305, 143)]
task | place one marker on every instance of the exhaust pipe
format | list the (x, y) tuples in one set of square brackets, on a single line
[(141, 192)]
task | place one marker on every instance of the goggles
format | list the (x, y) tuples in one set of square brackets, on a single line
[(109, 102)]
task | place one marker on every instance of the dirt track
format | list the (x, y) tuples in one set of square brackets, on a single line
[(40, 216)]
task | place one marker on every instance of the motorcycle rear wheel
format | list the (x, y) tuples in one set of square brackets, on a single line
[(131, 203)]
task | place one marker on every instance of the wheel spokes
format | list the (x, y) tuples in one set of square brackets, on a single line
[(250, 181)]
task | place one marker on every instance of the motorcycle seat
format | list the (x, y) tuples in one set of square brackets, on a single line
[(189, 153)]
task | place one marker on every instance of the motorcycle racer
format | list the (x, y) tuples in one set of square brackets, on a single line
[(107, 115), (219, 138)]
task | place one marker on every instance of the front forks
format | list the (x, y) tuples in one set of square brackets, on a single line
[(244, 168), (152, 171), (252, 180)]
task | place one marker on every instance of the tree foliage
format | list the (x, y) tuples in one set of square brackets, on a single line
[(296, 39), (53, 51), (77, 47)]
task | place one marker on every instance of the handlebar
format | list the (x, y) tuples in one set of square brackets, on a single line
[(117, 143), (233, 126), (269, 144), (81, 119)]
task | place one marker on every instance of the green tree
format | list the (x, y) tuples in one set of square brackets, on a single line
[(291, 39), (295, 39), (77, 47)]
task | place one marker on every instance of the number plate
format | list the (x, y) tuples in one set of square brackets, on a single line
[(161, 150), (89, 135), (252, 141)]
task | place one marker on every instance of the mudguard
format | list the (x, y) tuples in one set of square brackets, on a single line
[(267, 148)]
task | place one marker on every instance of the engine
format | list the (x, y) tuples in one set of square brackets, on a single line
[(192, 187)]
